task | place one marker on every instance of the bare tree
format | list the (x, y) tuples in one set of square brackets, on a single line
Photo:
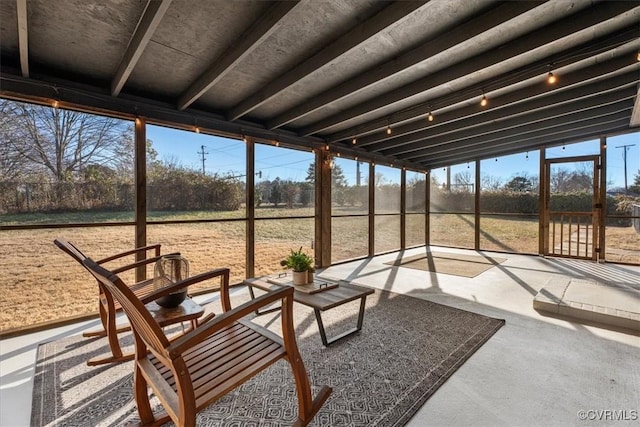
[(12, 165), (564, 180), (63, 142), (463, 181), (491, 182)]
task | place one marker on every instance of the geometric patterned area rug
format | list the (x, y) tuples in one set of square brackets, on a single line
[(407, 348), (449, 263)]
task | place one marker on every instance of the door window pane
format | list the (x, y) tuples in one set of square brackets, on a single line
[(387, 190), (416, 194), (78, 169), (415, 233), (41, 283), (285, 182), (275, 238), (349, 237), (387, 233), (194, 176), (452, 204), (206, 246), (349, 187), (622, 233)]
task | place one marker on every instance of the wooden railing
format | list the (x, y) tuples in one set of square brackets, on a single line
[(572, 234)]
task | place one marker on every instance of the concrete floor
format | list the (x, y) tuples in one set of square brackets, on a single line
[(535, 371)]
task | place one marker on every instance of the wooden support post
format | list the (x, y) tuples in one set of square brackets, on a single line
[(477, 207), (141, 193), (323, 208), (250, 243), (372, 209), (427, 219), (403, 209), (602, 254), (543, 217)]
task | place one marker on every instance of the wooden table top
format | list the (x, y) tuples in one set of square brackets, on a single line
[(186, 311), (324, 300)]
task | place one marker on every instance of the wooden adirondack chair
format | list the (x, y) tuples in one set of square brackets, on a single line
[(108, 307), (190, 372)]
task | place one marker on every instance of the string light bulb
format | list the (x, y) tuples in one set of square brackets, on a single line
[(55, 103), (354, 141), (484, 101), (329, 162), (244, 138), (638, 57), (551, 78), (388, 130), (430, 116), (197, 129), (326, 147)]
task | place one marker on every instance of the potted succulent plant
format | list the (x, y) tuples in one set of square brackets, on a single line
[(302, 266)]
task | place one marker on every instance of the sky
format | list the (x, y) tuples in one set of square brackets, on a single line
[(227, 157)]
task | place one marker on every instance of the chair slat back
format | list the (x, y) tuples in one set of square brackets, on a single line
[(141, 320)]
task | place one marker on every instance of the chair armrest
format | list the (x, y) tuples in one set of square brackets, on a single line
[(155, 247), (140, 263), (202, 332), (219, 272)]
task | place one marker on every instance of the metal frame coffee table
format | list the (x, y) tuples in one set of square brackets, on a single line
[(320, 301)]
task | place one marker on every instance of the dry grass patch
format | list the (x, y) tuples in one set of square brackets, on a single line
[(41, 283)]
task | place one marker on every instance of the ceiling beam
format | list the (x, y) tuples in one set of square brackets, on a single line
[(555, 34), (149, 21), (264, 27), (583, 71), (357, 35), (83, 97), (23, 36), (442, 42), (553, 104), (568, 137), (496, 132), (546, 129)]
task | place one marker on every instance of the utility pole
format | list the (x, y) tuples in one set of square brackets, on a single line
[(625, 148), (202, 153)]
